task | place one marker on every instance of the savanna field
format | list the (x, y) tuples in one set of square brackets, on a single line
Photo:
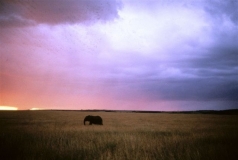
[(123, 135)]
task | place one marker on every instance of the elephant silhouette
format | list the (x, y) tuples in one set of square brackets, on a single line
[(93, 120)]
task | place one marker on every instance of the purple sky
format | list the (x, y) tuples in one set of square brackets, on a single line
[(124, 55)]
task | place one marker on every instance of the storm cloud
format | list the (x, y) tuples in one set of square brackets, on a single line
[(24, 13), (142, 55)]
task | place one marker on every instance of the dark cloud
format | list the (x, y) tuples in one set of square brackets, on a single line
[(20, 13), (212, 76), (206, 83), (219, 8), (208, 73), (208, 89)]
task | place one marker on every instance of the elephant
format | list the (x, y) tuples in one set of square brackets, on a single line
[(93, 120)]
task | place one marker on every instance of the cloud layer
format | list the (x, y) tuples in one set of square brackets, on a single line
[(148, 55), (23, 13)]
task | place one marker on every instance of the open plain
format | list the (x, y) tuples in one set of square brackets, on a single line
[(123, 135)]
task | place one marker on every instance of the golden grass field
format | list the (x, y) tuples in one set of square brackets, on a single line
[(124, 135)]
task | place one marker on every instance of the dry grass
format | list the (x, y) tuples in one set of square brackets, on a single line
[(62, 135)]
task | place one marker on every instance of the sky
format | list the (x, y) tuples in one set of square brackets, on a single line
[(159, 55)]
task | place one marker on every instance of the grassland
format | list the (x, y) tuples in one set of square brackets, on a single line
[(62, 135)]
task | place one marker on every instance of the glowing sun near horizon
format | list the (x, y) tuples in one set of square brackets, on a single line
[(33, 109), (8, 108)]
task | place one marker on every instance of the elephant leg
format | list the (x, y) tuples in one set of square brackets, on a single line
[(90, 123)]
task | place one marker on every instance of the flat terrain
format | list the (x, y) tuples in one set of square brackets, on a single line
[(62, 135)]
